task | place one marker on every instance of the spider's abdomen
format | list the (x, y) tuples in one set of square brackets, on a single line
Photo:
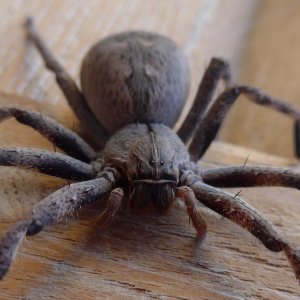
[(135, 77)]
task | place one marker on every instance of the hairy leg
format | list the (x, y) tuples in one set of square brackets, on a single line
[(51, 209), (210, 124), (247, 176), (187, 195), (216, 71), (112, 206), (50, 163), (69, 88), (237, 210), (60, 136)]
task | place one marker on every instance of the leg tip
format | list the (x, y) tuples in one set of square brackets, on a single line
[(9, 245), (4, 114), (297, 138), (3, 271), (294, 257), (29, 24), (201, 237)]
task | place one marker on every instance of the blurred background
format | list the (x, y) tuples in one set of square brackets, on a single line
[(259, 39)]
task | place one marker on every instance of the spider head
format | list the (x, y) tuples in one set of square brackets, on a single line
[(153, 175)]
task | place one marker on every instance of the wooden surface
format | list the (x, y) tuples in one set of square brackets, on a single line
[(271, 62), (142, 257), (136, 258), (264, 54)]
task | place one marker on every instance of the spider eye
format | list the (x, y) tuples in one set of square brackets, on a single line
[(161, 162), (151, 162), (139, 165)]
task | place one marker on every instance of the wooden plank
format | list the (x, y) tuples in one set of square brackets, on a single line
[(137, 257), (142, 257)]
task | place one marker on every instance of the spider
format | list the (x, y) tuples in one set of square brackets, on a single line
[(134, 86)]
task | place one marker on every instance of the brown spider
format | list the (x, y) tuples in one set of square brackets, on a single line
[(134, 86)]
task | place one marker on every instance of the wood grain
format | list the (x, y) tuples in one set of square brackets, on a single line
[(142, 257), (137, 257)]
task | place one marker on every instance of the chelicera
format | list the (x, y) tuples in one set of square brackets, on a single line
[(134, 86)]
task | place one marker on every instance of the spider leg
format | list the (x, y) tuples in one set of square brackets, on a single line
[(187, 195), (69, 88), (53, 208), (210, 124), (112, 205), (60, 136), (248, 176), (237, 210), (55, 164), (217, 70)]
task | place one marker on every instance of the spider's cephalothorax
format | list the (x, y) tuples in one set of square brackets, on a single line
[(149, 155), (134, 87), (153, 174)]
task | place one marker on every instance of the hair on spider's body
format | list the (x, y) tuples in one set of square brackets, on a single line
[(134, 86), (149, 155)]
